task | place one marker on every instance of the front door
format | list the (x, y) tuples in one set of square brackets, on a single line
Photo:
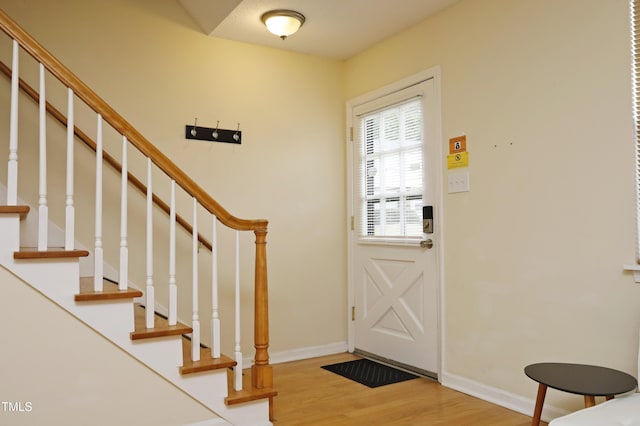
[(394, 259)]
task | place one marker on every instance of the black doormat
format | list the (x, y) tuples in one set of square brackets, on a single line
[(369, 373)]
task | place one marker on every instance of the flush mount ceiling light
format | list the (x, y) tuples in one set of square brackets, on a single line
[(282, 22)]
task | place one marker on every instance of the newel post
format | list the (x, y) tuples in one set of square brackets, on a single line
[(261, 372)]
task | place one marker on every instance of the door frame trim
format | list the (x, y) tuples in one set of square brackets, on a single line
[(431, 73)]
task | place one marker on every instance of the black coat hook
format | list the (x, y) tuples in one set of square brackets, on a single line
[(193, 130), (213, 134), (236, 136)]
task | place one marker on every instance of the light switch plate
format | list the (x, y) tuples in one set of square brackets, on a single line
[(459, 181)]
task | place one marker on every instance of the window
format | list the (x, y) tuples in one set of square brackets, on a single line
[(391, 170), (635, 50)]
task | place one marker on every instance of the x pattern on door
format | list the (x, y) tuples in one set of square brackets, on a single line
[(394, 298)]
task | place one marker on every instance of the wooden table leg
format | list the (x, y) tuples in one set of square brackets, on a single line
[(589, 401), (537, 413)]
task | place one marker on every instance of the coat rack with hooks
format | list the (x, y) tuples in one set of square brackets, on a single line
[(212, 134)]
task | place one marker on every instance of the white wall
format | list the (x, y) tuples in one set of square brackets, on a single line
[(71, 375), (534, 253)]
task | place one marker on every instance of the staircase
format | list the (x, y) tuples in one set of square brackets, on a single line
[(109, 301)]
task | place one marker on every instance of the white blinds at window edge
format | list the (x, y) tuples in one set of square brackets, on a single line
[(390, 172), (635, 64)]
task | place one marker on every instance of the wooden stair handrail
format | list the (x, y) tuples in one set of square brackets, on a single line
[(95, 102), (261, 370), (108, 158)]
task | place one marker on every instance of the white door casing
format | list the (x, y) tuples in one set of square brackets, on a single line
[(394, 283)]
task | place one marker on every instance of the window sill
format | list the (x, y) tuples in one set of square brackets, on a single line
[(636, 271), (408, 242)]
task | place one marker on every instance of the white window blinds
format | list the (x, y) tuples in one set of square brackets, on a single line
[(391, 171), (635, 63)]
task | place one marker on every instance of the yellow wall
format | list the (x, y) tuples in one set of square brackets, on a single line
[(534, 253), (151, 62)]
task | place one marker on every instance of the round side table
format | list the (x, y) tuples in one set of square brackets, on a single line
[(580, 379)]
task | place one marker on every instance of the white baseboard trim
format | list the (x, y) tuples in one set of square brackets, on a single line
[(211, 422), (302, 353), (308, 352), (500, 397)]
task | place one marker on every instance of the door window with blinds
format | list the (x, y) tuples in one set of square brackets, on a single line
[(391, 168)]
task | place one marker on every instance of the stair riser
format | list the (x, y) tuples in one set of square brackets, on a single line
[(10, 231), (58, 279)]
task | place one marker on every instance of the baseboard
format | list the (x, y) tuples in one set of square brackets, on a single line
[(308, 352), (500, 397), (211, 422), (302, 353)]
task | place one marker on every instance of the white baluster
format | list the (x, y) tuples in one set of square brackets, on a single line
[(238, 367), (69, 231), (149, 294), (43, 210), (124, 246), (12, 178), (98, 253), (215, 316), (195, 323), (173, 290)]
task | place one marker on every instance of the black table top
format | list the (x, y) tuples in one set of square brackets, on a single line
[(581, 379)]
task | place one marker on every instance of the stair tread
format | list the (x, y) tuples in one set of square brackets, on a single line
[(110, 291), (206, 363), (161, 326), (248, 392), (21, 210), (50, 253)]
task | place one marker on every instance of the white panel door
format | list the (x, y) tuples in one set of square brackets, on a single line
[(394, 264)]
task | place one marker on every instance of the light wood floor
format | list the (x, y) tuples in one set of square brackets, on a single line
[(309, 395)]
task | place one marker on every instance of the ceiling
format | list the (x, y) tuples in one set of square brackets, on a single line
[(334, 28)]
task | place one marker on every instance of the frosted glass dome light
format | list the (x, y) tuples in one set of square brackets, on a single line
[(283, 23)]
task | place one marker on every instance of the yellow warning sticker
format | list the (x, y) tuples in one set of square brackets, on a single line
[(455, 161)]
